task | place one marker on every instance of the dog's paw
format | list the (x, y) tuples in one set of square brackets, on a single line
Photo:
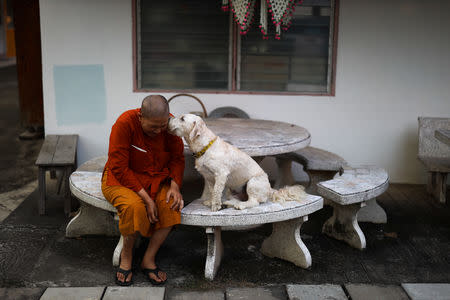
[(240, 206), (215, 207), (245, 205), (232, 202), (207, 202)]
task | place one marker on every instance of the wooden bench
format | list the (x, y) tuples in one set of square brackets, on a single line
[(96, 216), (58, 154), (347, 193), (320, 165), (435, 155)]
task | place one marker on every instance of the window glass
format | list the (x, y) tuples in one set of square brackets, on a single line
[(182, 44), (186, 45), (298, 62)]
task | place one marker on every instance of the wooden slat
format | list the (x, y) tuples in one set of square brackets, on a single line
[(65, 150), (47, 151)]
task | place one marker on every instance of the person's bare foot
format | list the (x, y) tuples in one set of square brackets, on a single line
[(126, 261), (161, 275)]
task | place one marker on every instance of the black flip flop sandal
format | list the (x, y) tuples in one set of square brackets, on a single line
[(154, 271), (125, 274)]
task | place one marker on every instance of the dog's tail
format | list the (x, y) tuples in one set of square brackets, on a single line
[(289, 193)]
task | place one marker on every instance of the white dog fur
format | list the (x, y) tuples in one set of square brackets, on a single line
[(225, 167)]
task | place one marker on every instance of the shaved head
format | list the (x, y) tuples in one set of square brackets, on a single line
[(154, 106)]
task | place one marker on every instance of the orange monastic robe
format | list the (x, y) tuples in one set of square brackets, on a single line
[(137, 161)]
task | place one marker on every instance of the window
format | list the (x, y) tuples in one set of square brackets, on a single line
[(194, 46)]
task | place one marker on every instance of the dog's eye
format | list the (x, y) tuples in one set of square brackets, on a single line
[(182, 118)]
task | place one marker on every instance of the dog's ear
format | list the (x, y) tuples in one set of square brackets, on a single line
[(196, 130)]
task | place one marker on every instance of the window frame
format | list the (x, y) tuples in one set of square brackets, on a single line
[(234, 66)]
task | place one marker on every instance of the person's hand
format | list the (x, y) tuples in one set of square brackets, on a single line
[(152, 211), (174, 193)]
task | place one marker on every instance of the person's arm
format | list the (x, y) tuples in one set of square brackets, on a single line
[(119, 156), (176, 169), (152, 211)]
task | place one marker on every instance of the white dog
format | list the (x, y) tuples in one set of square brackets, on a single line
[(225, 167)]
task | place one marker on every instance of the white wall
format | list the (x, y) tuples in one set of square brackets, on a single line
[(393, 65)]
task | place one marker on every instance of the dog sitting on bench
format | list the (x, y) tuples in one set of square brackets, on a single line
[(225, 167)]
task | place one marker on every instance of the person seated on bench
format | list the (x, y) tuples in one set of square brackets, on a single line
[(142, 179)]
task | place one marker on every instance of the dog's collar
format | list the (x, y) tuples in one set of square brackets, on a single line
[(201, 152)]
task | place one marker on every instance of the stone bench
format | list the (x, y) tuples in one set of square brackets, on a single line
[(348, 193), (435, 155), (284, 242), (96, 217), (320, 165), (58, 154)]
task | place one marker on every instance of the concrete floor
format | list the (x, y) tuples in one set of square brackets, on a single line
[(413, 247)]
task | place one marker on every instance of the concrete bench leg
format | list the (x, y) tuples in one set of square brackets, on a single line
[(119, 247), (284, 173), (437, 186), (91, 220), (315, 177), (117, 251), (285, 176), (214, 252), (372, 213), (441, 187), (42, 188), (343, 225), (67, 197), (285, 242)]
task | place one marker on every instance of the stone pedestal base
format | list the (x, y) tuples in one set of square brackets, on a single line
[(284, 173), (285, 242), (437, 186), (214, 252), (372, 213), (343, 225), (91, 220), (117, 251), (119, 247), (285, 176), (316, 176)]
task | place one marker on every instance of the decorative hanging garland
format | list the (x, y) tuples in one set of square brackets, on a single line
[(243, 11), (280, 12)]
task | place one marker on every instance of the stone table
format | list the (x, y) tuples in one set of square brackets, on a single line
[(260, 137)]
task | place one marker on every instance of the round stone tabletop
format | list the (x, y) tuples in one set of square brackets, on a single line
[(260, 137)]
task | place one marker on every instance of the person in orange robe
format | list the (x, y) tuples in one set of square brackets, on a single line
[(142, 179)]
